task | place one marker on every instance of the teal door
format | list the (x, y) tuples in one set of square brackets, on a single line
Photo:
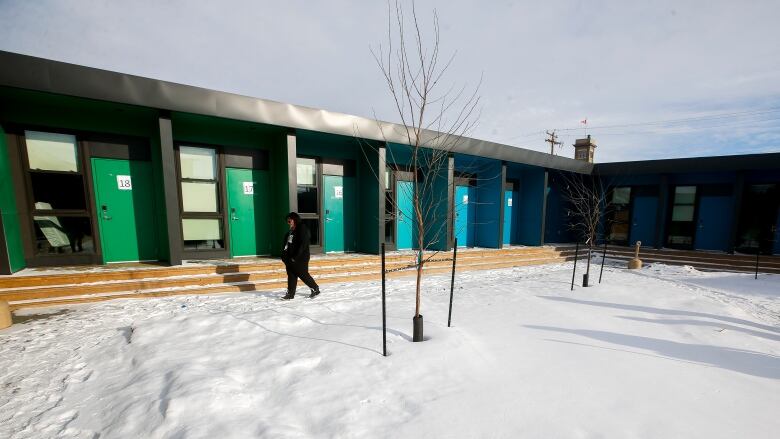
[(339, 210), (125, 204), (404, 216), (248, 207), (465, 215), (508, 202)]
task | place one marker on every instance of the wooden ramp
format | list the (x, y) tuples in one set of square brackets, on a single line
[(701, 260), (68, 285)]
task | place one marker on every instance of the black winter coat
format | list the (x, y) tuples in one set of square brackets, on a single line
[(297, 250)]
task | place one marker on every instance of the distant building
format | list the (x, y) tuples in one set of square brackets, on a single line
[(584, 149)]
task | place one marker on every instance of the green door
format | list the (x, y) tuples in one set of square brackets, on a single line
[(125, 204), (339, 212), (249, 208)]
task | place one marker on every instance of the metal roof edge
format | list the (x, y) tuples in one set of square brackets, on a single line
[(41, 74)]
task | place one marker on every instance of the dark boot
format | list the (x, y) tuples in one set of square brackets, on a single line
[(314, 293), (288, 296)]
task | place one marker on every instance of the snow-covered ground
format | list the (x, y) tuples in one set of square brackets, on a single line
[(665, 352)]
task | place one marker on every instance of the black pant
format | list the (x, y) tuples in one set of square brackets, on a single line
[(296, 270)]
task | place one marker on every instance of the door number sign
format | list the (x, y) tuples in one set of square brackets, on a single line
[(338, 191), (509, 202), (124, 183), (249, 187)]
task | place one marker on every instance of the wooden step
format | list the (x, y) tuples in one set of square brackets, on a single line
[(273, 284)]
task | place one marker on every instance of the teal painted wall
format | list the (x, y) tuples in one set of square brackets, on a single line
[(370, 215), (366, 213), (436, 197), (11, 227), (530, 207)]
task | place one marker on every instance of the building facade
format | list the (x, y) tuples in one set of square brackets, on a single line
[(100, 167)]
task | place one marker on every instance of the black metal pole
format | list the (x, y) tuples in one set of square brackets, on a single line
[(603, 258), (574, 271), (384, 319), (758, 252), (452, 283)]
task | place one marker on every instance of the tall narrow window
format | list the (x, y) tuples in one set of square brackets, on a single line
[(308, 196), (201, 217), (61, 221), (619, 215), (681, 226)]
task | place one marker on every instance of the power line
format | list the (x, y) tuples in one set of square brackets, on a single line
[(714, 117)]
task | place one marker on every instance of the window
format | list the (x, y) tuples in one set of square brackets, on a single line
[(308, 195), (62, 223), (201, 222), (51, 152), (620, 202), (681, 227)]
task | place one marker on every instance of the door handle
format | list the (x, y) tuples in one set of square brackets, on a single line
[(327, 220), (104, 212), (233, 214)]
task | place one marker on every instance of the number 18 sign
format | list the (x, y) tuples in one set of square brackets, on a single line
[(124, 183)]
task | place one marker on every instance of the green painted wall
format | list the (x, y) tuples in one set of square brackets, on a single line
[(215, 131), (44, 111), (11, 228), (370, 215)]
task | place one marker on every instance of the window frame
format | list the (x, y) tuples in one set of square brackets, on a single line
[(84, 171), (670, 215), (219, 180), (318, 247)]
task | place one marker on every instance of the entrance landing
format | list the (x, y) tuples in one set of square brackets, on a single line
[(67, 285)]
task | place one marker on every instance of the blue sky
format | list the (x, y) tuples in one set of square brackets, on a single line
[(655, 79)]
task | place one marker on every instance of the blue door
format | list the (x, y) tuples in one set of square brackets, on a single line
[(404, 215), (508, 201), (713, 228), (643, 220), (465, 215)]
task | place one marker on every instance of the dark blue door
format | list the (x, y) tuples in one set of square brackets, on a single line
[(643, 220), (713, 227)]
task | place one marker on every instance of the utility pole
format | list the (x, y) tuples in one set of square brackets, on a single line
[(552, 141)]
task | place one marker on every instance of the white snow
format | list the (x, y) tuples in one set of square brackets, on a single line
[(665, 352)]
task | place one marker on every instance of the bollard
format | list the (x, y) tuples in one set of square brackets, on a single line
[(5, 315), (635, 263)]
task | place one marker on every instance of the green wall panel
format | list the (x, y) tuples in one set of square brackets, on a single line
[(50, 111), (209, 130), (11, 227)]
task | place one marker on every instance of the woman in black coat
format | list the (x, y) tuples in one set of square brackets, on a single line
[(295, 255)]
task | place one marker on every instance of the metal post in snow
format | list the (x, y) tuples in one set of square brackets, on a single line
[(574, 271), (758, 252), (384, 319), (452, 283), (603, 258)]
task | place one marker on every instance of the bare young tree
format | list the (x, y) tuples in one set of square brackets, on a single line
[(433, 120), (587, 202)]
